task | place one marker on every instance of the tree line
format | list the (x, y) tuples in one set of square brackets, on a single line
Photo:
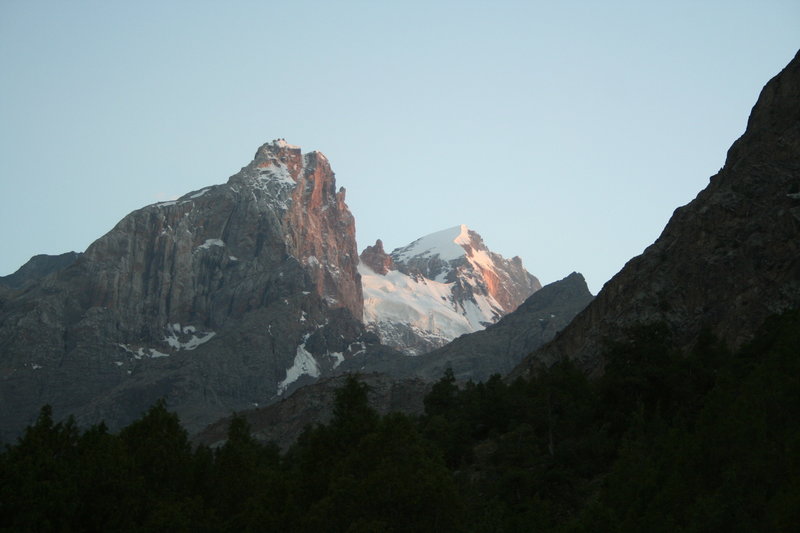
[(664, 441)]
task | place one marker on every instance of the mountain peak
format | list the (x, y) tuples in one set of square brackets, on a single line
[(438, 287), (281, 143), (447, 244)]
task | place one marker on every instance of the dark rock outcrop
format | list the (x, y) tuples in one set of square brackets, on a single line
[(726, 261), (37, 268)]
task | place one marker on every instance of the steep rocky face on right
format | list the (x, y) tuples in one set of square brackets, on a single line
[(725, 261)]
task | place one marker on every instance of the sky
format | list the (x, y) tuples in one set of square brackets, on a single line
[(563, 132)]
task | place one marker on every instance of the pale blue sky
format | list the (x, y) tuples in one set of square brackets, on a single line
[(563, 132)]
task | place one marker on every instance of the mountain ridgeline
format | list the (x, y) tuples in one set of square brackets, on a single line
[(725, 261), (233, 296), (38, 267)]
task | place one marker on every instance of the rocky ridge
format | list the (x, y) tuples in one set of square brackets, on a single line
[(725, 261), (37, 268), (376, 259)]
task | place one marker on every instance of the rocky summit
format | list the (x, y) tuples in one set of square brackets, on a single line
[(218, 301), (724, 262), (441, 286)]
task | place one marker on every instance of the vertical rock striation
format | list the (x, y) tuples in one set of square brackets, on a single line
[(217, 301)]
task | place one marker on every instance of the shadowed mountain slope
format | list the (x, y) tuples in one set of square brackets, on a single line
[(724, 262)]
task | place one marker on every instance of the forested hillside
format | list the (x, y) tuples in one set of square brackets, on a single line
[(664, 441)]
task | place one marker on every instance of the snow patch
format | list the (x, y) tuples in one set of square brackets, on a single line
[(144, 352), (211, 242), (175, 332), (277, 173), (424, 304), (396, 305), (275, 183), (199, 194), (447, 244), (363, 348), (304, 365), (338, 358)]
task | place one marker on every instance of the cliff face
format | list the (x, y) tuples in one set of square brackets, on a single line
[(219, 300), (725, 261), (169, 261)]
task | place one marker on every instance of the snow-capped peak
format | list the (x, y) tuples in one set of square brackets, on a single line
[(447, 244), (438, 287)]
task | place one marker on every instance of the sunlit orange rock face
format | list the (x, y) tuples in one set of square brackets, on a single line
[(321, 231), (506, 280), (376, 258)]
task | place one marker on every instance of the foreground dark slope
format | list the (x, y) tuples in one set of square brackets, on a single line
[(725, 261), (283, 422)]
